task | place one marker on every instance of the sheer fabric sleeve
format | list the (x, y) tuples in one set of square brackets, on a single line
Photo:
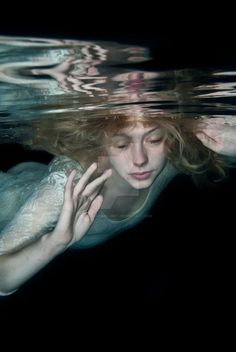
[(40, 212)]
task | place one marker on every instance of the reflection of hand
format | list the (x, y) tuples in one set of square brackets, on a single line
[(219, 135), (80, 206)]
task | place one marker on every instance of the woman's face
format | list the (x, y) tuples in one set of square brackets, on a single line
[(137, 154)]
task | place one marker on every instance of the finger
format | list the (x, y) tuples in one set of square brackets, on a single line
[(68, 187), (64, 221), (84, 179), (209, 129), (201, 126), (94, 207), (84, 201), (67, 207), (206, 140), (86, 218), (218, 120), (95, 185)]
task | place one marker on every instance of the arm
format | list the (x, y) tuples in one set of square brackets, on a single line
[(79, 209), (219, 135), (18, 267)]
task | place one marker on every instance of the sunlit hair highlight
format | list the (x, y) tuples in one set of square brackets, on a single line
[(82, 137)]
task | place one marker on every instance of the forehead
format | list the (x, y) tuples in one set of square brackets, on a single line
[(138, 129)]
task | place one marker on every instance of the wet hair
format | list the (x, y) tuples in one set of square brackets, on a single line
[(82, 137)]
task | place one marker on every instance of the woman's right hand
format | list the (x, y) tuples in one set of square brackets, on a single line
[(80, 206)]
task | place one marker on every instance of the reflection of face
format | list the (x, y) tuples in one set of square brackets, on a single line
[(137, 155)]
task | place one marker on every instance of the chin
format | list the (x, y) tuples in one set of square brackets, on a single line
[(142, 184)]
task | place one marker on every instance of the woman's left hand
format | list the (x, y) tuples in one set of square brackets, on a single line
[(218, 134)]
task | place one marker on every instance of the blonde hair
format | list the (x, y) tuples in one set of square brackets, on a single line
[(81, 136)]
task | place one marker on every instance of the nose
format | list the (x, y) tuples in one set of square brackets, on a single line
[(139, 156)]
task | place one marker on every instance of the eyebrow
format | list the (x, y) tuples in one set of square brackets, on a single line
[(126, 135)]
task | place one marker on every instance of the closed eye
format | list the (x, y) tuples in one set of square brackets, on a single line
[(121, 146), (155, 141)]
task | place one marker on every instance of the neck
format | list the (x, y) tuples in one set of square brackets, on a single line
[(119, 197)]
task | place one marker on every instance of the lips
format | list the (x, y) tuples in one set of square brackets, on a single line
[(141, 175)]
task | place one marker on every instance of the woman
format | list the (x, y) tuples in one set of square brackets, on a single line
[(140, 155)]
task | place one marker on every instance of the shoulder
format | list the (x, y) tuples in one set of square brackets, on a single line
[(27, 166), (61, 166), (22, 174), (53, 183), (16, 185), (64, 163), (20, 180)]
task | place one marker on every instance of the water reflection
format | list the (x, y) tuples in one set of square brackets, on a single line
[(40, 77)]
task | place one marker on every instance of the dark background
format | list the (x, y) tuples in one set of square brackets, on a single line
[(183, 273), (180, 33)]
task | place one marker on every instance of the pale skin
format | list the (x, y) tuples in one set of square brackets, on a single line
[(133, 151), (144, 151), (219, 134), (80, 206)]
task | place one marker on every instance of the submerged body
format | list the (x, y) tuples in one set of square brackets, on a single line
[(23, 185), (48, 209)]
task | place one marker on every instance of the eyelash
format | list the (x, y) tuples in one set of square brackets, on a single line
[(121, 146), (156, 141)]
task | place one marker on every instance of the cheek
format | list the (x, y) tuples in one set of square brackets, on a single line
[(119, 163), (160, 152), (159, 157)]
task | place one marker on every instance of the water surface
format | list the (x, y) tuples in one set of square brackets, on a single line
[(41, 77)]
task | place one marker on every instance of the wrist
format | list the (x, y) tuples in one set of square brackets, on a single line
[(52, 244)]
